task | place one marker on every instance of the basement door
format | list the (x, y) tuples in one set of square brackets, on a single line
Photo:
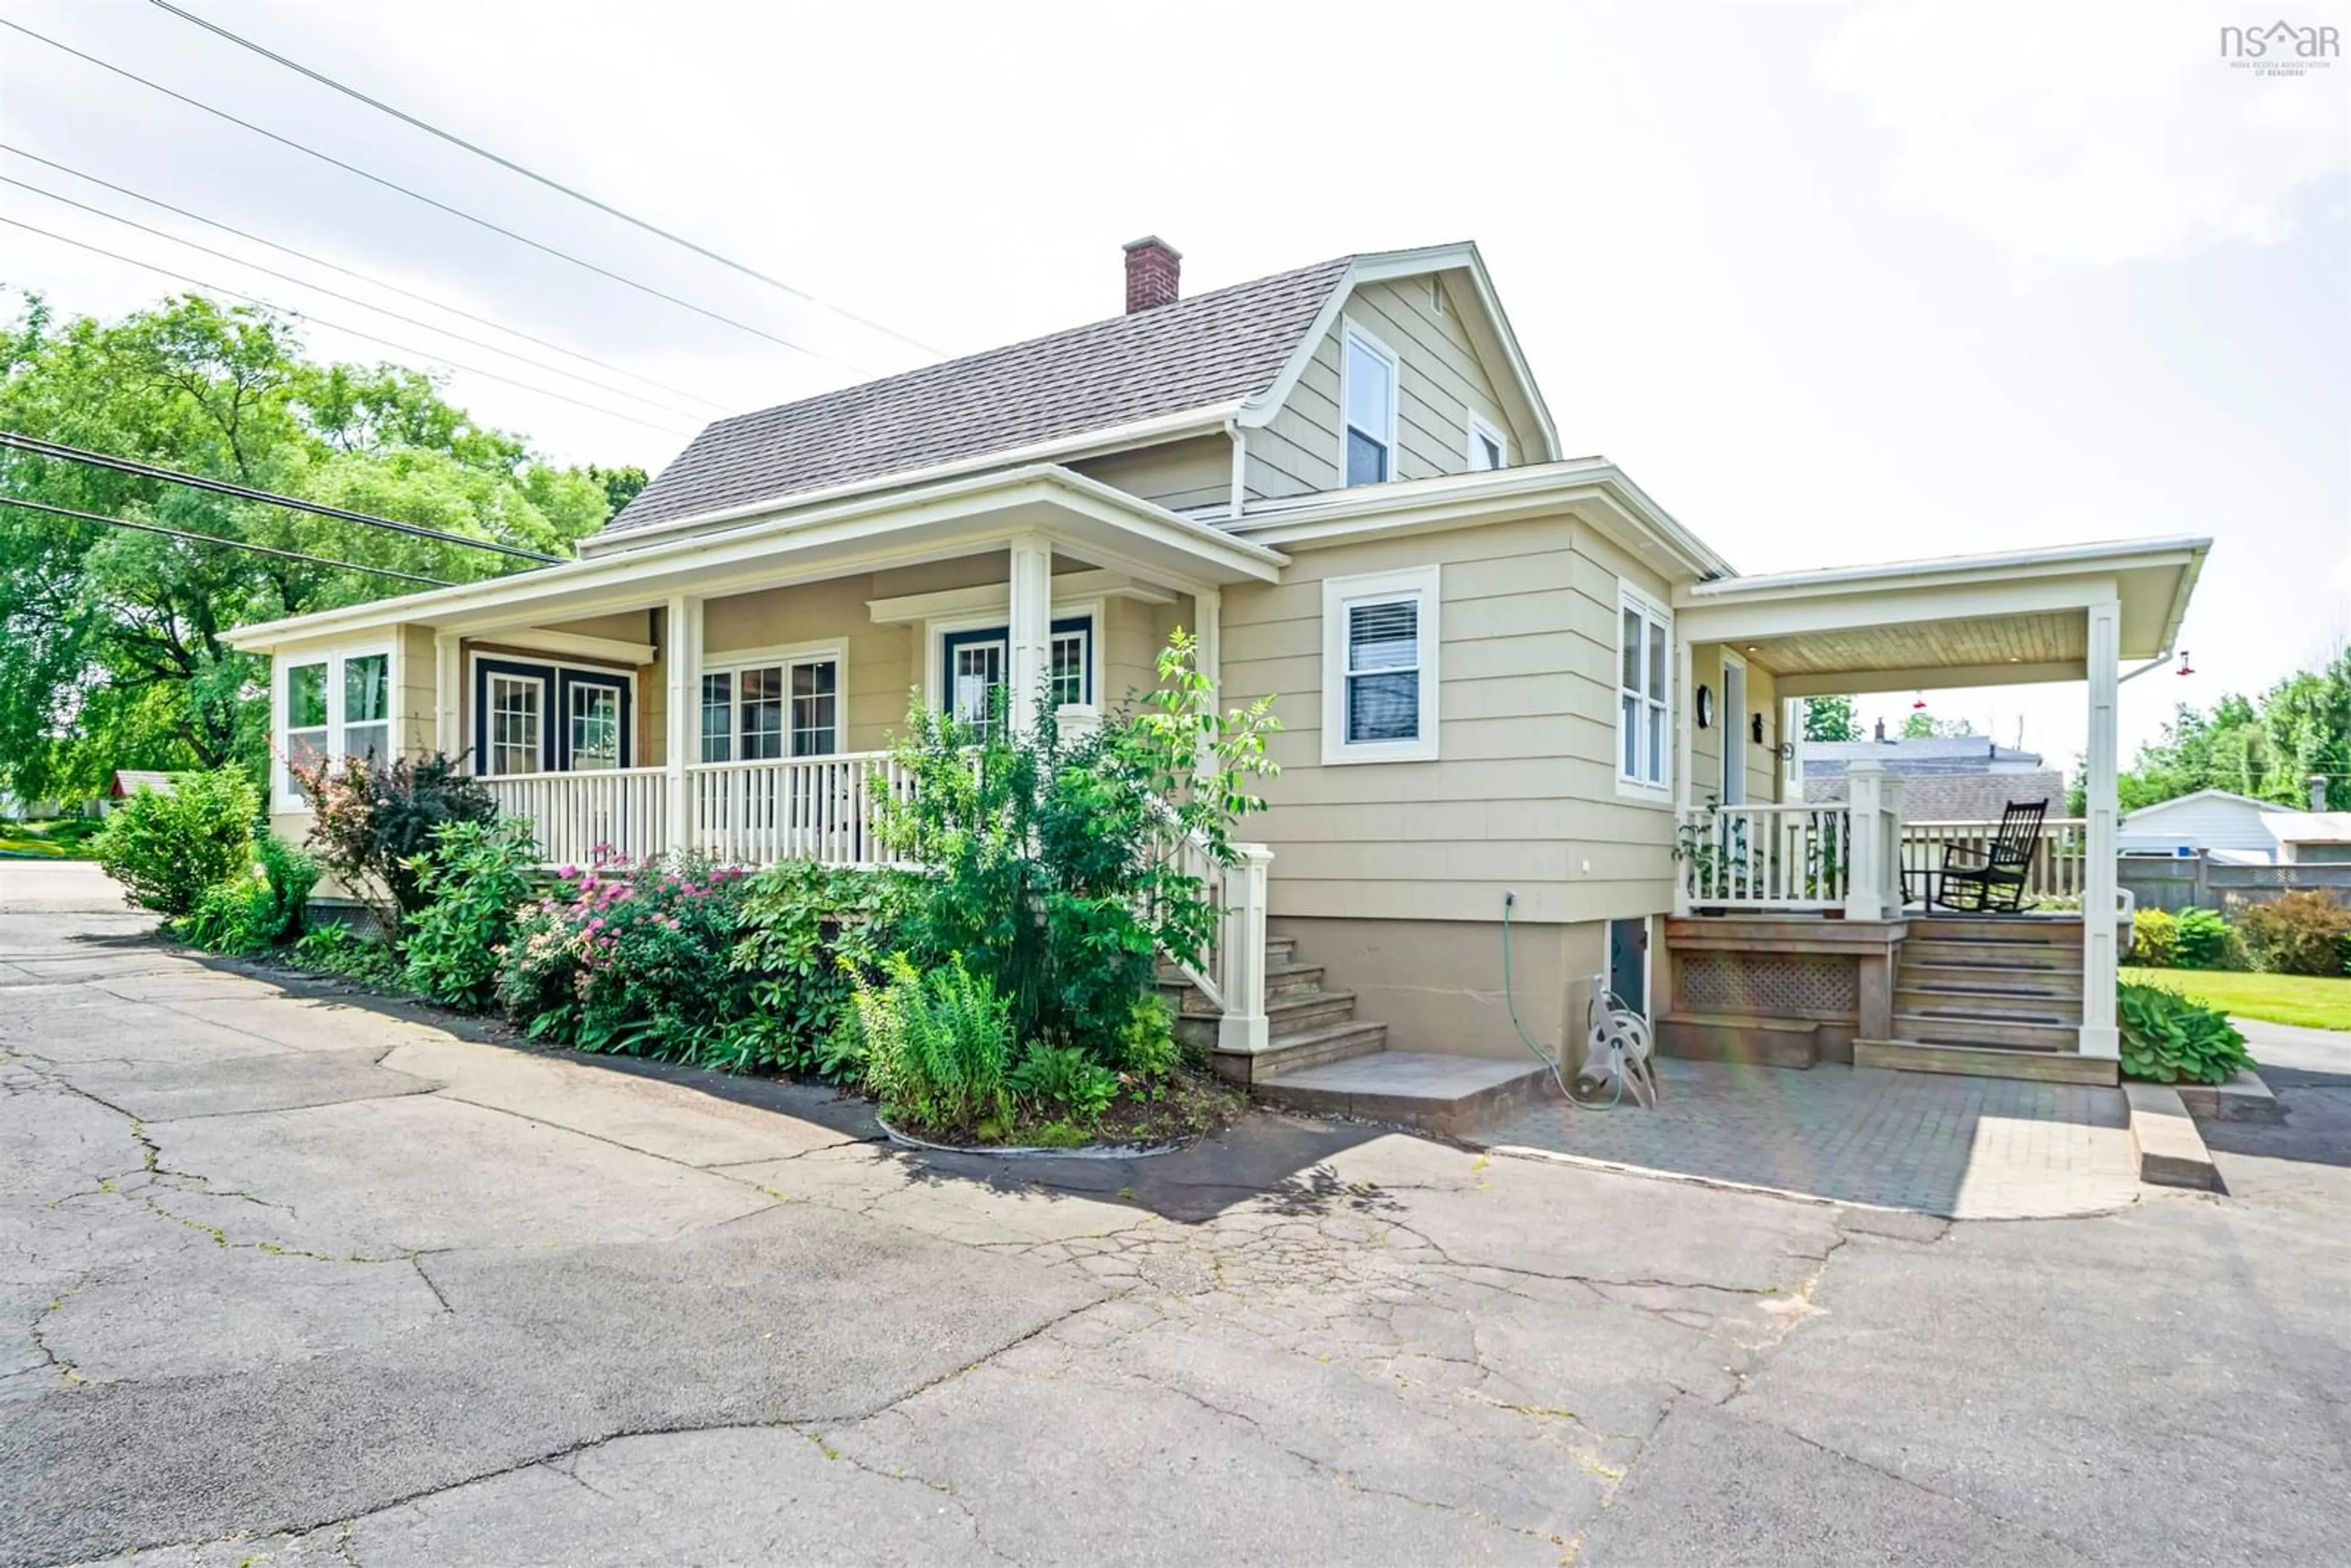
[(1628, 963)]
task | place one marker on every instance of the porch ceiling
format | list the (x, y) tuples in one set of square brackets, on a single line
[(1965, 622)]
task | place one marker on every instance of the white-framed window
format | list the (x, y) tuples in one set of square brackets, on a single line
[(970, 657), (775, 703), (1379, 664), (1489, 448), (1072, 657), (1644, 644), (330, 706), (595, 721), (1367, 393), (517, 726)]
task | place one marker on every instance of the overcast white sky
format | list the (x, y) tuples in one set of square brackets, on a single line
[(1834, 284)]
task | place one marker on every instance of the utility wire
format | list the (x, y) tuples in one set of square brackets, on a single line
[(215, 539), (370, 337), (353, 299), (553, 184), (364, 277), (64, 453), (430, 202)]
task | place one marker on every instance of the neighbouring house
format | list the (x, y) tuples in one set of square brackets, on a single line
[(2226, 826), (129, 781), (1955, 778), (2311, 837), (1505, 674)]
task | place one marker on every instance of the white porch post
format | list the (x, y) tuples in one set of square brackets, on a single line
[(448, 691), (1208, 610), (1029, 631), (1867, 791), (2101, 811), (1680, 698), (681, 658)]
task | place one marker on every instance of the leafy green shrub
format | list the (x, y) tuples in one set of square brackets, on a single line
[(258, 911), (629, 960), (936, 1044), (2298, 934), (1061, 1076), (2155, 938), (804, 926), (338, 949), (2168, 1036), (474, 878), (168, 849), (2206, 941), (1056, 863), (1147, 1048), (370, 824)]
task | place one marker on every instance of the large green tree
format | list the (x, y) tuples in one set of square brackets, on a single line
[(111, 651), (1830, 718), (2268, 748)]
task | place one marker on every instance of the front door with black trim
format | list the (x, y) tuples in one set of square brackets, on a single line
[(978, 664), (530, 717)]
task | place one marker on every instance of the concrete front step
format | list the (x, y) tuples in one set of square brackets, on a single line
[(1449, 1094), (1990, 955), (1974, 1001), (1294, 1052), (1979, 1062), (1969, 1030)]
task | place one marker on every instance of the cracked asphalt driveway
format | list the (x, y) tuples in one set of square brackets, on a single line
[(286, 1280)]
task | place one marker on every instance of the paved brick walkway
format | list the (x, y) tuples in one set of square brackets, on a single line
[(1971, 1148)]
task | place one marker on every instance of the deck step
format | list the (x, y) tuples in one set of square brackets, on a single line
[(1282, 978), (1280, 950), (1998, 979), (1991, 1006), (1977, 1061), (1303, 1010), (2001, 955), (1739, 1037), (1937, 1029), (1316, 1047), (1442, 1093), (2038, 933)]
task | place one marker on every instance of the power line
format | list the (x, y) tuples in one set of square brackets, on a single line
[(370, 337), (364, 277), (214, 539), (429, 201), (553, 184), (350, 298), (62, 453)]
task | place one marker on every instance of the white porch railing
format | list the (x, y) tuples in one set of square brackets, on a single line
[(1769, 857), (798, 808), (579, 818), (2059, 858)]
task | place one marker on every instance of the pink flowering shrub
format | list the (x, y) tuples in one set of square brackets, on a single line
[(627, 958)]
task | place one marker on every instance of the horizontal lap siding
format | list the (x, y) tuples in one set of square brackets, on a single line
[(1523, 793), (1764, 764), (1443, 380), (1178, 475)]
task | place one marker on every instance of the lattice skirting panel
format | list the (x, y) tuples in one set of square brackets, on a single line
[(1768, 985)]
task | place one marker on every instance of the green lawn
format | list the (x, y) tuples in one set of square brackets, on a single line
[(68, 839), (2314, 1001)]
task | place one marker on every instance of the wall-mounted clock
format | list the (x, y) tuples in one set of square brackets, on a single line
[(1705, 707)]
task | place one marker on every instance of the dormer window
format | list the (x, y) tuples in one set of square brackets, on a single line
[(1370, 397), (1488, 449)]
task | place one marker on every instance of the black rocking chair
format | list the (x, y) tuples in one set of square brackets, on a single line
[(1991, 881)]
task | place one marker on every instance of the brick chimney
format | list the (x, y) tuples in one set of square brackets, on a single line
[(1152, 266)]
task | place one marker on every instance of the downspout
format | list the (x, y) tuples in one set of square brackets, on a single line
[(1240, 469)]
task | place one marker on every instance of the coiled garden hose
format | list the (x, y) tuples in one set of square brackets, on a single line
[(1601, 996)]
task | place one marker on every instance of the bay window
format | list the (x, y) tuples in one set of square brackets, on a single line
[(330, 708)]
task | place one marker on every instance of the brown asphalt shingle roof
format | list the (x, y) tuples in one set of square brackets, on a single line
[(1215, 347)]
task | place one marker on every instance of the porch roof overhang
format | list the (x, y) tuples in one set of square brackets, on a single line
[(2013, 619), (811, 543)]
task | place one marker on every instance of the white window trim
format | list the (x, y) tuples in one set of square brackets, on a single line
[(935, 646), (1340, 592), (734, 662), (1351, 332), (1629, 787), (1481, 426), (282, 794)]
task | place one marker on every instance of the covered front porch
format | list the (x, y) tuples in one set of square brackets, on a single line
[(1806, 930)]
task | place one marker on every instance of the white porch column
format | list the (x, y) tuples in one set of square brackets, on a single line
[(2101, 949), (1029, 631), (1872, 890), (681, 741), (1678, 713), (1208, 610), (448, 694)]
